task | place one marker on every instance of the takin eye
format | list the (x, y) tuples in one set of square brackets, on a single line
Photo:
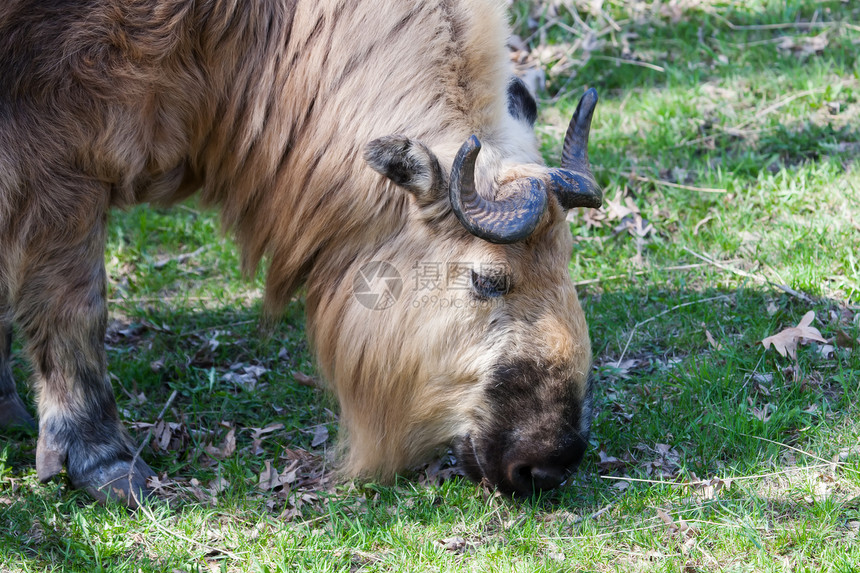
[(491, 285)]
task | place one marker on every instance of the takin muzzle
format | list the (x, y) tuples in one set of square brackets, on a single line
[(537, 431)]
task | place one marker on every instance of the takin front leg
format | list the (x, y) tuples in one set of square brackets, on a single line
[(60, 308), (13, 414)]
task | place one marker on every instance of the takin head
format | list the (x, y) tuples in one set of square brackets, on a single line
[(465, 328)]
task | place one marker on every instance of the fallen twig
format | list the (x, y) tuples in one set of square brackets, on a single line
[(738, 130), (830, 463), (219, 326), (180, 258), (669, 183), (146, 510), (596, 514), (149, 434), (700, 223), (165, 298), (722, 266), (708, 481), (631, 62), (779, 104), (639, 273), (206, 546), (779, 26), (785, 288), (658, 315)]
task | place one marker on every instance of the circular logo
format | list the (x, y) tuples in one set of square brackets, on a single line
[(377, 285)]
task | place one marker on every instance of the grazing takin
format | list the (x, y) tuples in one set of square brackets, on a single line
[(353, 144)]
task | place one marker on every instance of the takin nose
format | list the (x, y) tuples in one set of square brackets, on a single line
[(528, 471)]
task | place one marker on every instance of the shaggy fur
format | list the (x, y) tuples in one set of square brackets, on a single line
[(266, 107)]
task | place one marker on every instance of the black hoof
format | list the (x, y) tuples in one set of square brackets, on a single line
[(117, 481), (13, 415)]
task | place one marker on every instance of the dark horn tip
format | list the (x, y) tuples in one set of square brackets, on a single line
[(468, 152), (574, 183), (575, 189), (470, 146), (590, 96), (585, 108)]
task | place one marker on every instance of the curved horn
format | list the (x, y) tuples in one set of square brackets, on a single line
[(507, 221), (574, 184)]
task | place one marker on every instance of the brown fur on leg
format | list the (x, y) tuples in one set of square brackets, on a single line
[(13, 414), (60, 307)]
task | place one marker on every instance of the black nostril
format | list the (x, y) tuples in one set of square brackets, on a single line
[(528, 468), (526, 478), (545, 477), (523, 475), (520, 476)]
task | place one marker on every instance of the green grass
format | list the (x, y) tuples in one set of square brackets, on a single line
[(735, 147)]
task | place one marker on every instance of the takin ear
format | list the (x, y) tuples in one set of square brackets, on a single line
[(409, 164), (521, 104)]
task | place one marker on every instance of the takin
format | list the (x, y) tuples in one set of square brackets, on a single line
[(354, 145)]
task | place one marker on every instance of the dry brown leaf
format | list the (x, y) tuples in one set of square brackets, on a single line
[(248, 377), (621, 485), (306, 380), (665, 465), (827, 350), (161, 435), (761, 382), (158, 483), (622, 369), (708, 489), (218, 485), (786, 341), (440, 470), (609, 463), (197, 491), (679, 528), (259, 434), (616, 210), (844, 340), (269, 477), (763, 413), (593, 218), (714, 344), (228, 446), (455, 544), (166, 436), (804, 46), (320, 436)]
